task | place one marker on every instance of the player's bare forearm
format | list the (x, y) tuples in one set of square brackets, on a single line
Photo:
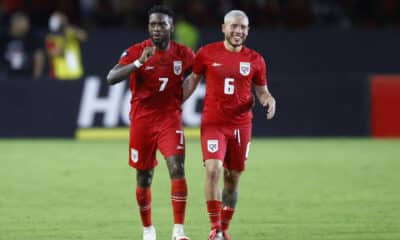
[(119, 73), (266, 99), (80, 34), (190, 84)]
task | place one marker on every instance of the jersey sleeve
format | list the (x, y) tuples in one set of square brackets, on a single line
[(189, 59), (199, 66), (260, 76), (129, 55)]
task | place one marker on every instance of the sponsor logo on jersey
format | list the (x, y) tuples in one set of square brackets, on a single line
[(245, 68), (134, 155), (215, 64), (212, 145), (177, 67), (149, 68)]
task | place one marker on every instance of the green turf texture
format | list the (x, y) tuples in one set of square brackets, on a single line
[(293, 189)]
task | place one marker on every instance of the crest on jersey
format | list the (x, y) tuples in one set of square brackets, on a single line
[(212, 145), (177, 67), (134, 155), (245, 68)]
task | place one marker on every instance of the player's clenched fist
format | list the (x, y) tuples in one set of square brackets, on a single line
[(146, 54), (270, 104)]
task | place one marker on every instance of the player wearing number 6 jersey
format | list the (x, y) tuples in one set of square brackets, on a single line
[(156, 67), (230, 70)]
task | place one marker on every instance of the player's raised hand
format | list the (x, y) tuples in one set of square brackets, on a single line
[(146, 54), (270, 105)]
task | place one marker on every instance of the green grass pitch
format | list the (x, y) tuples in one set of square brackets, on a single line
[(293, 189)]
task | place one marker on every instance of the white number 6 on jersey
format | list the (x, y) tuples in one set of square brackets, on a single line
[(164, 81), (229, 88)]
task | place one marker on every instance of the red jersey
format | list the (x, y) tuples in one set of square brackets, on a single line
[(157, 85), (229, 78)]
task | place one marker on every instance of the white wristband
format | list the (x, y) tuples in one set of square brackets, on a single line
[(137, 63)]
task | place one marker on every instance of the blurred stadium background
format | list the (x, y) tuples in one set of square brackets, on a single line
[(325, 168)]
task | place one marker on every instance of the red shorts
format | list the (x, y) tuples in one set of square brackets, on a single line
[(229, 144), (146, 136)]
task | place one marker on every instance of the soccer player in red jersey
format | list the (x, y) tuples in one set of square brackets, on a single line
[(156, 67), (230, 70)]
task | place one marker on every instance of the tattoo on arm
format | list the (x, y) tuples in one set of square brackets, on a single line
[(229, 198)]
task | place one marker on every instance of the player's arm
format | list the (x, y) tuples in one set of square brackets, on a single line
[(190, 84), (38, 63), (80, 34), (120, 72), (266, 99)]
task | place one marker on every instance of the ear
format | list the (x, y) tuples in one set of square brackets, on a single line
[(222, 27)]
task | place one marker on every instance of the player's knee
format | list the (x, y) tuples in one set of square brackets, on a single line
[(144, 178), (231, 179), (176, 167), (213, 174), (177, 171)]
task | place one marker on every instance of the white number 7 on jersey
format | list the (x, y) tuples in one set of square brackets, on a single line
[(229, 88), (164, 81)]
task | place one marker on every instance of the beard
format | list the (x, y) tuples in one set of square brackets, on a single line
[(160, 41), (234, 43)]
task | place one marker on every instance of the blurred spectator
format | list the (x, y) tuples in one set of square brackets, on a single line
[(389, 14), (11, 6), (271, 14), (63, 48), (88, 8), (21, 52), (330, 13), (298, 14), (364, 13)]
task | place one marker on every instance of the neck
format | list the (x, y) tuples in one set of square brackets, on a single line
[(231, 48), (162, 45)]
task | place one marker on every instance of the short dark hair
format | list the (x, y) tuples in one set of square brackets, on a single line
[(161, 9)]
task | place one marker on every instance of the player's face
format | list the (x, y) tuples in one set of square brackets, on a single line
[(160, 28), (236, 30)]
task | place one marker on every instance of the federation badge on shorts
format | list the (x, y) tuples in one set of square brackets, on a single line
[(134, 155), (212, 145), (245, 68), (177, 67)]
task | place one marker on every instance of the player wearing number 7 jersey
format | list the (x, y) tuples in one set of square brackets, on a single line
[(230, 70), (156, 67)]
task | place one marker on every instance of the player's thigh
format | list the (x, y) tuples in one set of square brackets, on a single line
[(213, 143), (171, 140), (142, 146), (238, 149)]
